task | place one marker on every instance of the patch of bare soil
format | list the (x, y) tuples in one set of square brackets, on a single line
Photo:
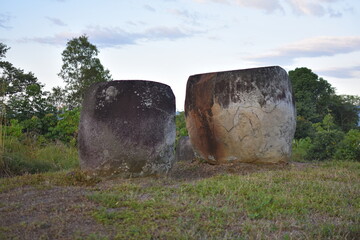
[(57, 212), (50, 213)]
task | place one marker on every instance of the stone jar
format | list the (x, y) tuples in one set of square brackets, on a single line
[(127, 128), (241, 116)]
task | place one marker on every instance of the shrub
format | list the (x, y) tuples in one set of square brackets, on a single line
[(27, 156), (304, 128), (300, 149), (67, 127), (349, 147), (14, 129), (324, 145)]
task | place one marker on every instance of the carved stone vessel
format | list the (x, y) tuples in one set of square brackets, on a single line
[(243, 115), (127, 128)]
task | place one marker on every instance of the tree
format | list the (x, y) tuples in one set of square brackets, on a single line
[(345, 110), (312, 94), (21, 94), (57, 98), (325, 141), (81, 68)]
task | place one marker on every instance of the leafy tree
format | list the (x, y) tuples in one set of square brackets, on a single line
[(349, 147), (66, 128), (57, 98), (304, 128), (312, 94), (325, 141), (315, 98), (81, 68), (21, 94), (345, 110)]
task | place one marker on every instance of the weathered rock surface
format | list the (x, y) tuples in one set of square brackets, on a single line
[(243, 115), (127, 128), (184, 150)]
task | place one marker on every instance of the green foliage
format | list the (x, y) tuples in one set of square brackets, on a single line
[(81, 68), (312, 94), (14, 129), (300, 148), (315, 98), (325, 140), (349, 147), (180, 125), (345, 110), (27, 156), (326, 124), (324, 145), (304, 128), (57, 98), (21, 94), (66, 128)]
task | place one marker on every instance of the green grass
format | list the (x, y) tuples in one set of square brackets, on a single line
[(320, 202), (25, 156)]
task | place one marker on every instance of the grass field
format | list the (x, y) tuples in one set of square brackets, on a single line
[(196, 201)]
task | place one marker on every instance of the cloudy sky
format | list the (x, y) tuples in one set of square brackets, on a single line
[(168, 40)]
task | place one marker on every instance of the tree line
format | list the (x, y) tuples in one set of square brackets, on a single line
[(327, 123), (26, 108)]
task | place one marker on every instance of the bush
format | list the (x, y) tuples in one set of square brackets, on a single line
[(304, 128), (26, 156), (300, 149), (14, 129), (324, 145), (67, 127), (349, 147)]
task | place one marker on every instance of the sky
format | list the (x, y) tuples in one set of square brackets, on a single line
[(169, 40)]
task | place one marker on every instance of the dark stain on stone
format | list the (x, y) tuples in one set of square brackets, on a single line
[(281, 95), (224, 88), (199, 92), (129, 115), (229, 85)]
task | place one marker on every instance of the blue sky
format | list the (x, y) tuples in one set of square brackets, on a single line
[(169, 40)]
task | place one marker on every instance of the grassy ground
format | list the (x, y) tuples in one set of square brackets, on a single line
[(196, 201), (28, 156)]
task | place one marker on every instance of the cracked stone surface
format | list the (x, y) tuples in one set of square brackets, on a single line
[(243, 115), (127, 128)]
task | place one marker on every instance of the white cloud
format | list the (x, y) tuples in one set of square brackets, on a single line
[(4, 20), (192, 17), (313, 7), (345, 72), (266, 5), (313, 47), (299, 7), (115, 37), (149, 8), (56, 21)]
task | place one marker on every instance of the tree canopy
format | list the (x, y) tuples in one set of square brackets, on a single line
[(81, 68), (315, 98), (21, 93)]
